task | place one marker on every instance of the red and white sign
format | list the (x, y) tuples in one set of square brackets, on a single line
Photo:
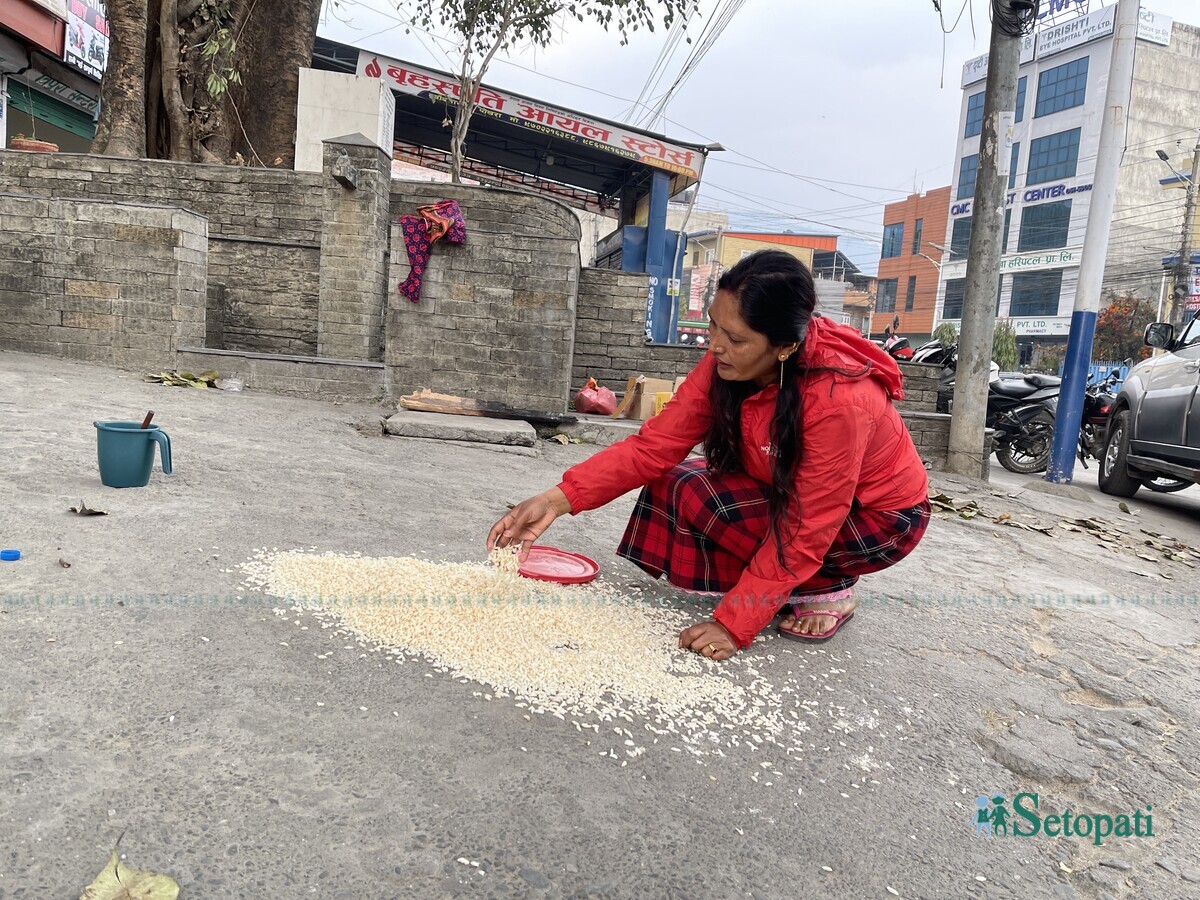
[(1193, 300), (87, 37), (646, 149)]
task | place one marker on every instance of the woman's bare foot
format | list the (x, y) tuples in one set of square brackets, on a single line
[(814, 626)]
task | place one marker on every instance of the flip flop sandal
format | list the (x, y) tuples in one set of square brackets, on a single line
[(840, 618)]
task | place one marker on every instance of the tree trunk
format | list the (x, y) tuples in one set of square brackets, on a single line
[(177, 112), (155, 98), (122, 127), (270, 57)]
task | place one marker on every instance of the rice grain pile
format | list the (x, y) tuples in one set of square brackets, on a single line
[(580, 652)]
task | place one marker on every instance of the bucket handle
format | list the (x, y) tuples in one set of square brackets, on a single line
[(164, 449)]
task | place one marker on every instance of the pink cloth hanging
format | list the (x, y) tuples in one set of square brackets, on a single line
[(440, 221)]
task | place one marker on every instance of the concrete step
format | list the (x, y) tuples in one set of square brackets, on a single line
[(470, 429)]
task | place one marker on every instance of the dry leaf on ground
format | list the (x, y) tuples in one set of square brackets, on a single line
[(84, 510), (119, 882)]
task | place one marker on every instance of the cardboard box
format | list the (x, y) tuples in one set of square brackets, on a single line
[(639, 399)]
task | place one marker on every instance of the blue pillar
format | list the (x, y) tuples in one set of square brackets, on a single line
[(1071, 397), (660, 308)]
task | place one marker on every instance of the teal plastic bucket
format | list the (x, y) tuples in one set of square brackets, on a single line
[(126, 452)]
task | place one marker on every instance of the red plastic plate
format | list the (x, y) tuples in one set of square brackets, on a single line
[(559, 566)]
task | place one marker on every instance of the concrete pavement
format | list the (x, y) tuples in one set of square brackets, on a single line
[(253, 754)]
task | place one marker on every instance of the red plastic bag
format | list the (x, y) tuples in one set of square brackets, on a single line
[(596, 400)]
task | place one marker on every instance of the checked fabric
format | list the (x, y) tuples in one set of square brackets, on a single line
[(701, 530), (439, 221)]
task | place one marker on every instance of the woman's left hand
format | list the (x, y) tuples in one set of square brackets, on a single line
[(709, 639)]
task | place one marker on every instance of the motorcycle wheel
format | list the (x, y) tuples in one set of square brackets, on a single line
[(1166, 485), (1029, 452)]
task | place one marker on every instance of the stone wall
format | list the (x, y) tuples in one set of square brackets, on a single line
[(101, 282), (610, 343), (497, 314), (264, 229), (354, 245), (920, 387), (296, 376)]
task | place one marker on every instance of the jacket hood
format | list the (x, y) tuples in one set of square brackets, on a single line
[(842, 347)]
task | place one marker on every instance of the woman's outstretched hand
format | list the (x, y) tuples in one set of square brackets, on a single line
[(526, 521), (708, 639)]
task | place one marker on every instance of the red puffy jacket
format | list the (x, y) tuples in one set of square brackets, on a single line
[(855, 447)]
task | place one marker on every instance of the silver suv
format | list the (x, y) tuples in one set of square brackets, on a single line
[(1154, 425)]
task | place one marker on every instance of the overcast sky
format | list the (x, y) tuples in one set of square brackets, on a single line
[(827, 109)]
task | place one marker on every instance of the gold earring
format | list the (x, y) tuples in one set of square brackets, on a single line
[(782, 360)]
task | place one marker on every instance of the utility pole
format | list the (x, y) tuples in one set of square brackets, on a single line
[(1095, 245), (967, 425), (1183, 267)]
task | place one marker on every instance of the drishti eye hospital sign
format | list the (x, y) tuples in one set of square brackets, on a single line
[(406, 78)]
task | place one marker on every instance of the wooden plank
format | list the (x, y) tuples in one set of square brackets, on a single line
[(427, 401)]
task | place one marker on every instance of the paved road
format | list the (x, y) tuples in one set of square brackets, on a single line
[(251, 754)]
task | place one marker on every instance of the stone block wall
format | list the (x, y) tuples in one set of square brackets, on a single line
[(496, 318), (354, 243), (101, 282), (920, 387), (264, 230), (610, 343)]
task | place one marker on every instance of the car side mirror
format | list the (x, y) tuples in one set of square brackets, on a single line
[(1159, 334)]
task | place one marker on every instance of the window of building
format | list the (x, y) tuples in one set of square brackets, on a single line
[(893, 240), (974, 115), (886, 298), (1053, 157), (1021, 98), (960, 238), (911, 296), (952, 306), (710, 255), (746, 253), (967, 170), (1012, 164), (1045, 226), (1061, 87), (916, 247), (1036, 293), (1004, 234)]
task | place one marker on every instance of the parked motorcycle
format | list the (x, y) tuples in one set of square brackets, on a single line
[(1020, 410), (896, 346), (1093, 424)]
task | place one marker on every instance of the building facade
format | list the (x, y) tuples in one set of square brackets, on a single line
[(914, 241), (1062, 82), (709, 253), (52, 54)]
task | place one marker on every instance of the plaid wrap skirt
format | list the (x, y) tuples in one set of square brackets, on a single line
[(701, 531)]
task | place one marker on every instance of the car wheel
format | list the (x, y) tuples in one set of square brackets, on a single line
[(1167, 485), (1114, 470)]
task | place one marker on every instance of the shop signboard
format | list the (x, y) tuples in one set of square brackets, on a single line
[(551, 121), (87, 37)]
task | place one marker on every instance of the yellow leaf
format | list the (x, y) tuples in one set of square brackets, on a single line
[(119, 882)]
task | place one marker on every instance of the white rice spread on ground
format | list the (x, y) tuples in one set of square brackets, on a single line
[(581, 652)]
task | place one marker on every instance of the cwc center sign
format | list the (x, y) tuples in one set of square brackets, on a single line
[(549, 120)]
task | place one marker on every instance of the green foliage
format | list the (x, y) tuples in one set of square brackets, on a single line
[(946, 334), (218, 50), (484, 26), (1004, 345)]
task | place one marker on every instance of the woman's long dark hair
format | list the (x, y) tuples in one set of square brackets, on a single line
[(776, 298)]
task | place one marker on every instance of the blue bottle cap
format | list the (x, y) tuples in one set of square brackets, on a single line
[(10, 555)]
